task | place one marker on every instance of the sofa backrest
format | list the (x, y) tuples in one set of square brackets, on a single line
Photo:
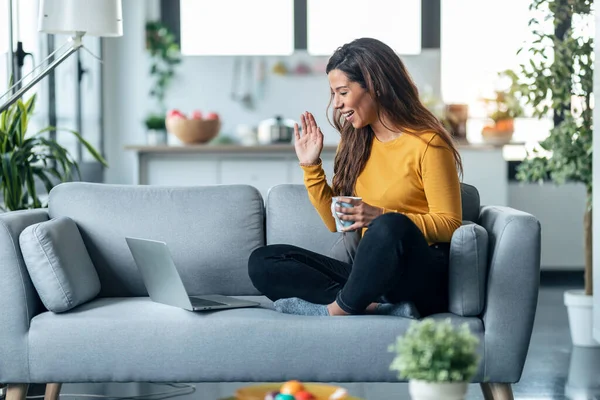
[(292, 219), (210, 232)]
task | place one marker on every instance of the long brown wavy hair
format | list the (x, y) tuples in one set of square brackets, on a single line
[(379, 70)]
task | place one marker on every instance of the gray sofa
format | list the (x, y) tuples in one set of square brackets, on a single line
[(122, 336)]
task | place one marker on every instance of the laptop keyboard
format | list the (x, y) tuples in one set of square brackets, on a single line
[(204, 303)]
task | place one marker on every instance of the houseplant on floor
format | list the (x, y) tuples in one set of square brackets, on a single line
[(438, 359), (558, 81), (26, 159)]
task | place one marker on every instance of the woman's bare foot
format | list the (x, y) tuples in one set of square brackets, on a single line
[(333, 309)]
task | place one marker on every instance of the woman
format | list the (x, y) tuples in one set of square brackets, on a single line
[(399, 159)]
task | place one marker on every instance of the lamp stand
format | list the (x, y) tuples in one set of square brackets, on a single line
[(77, 43)]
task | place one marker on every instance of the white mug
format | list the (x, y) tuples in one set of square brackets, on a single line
[(340, 224)]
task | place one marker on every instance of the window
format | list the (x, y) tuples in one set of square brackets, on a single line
[(478, 46), (475, 47), (332, 23), (237, 27)]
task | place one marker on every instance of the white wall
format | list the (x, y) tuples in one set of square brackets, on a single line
[(560, 210), (205, 83)]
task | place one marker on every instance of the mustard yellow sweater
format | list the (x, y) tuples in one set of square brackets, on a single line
[(407, 175)]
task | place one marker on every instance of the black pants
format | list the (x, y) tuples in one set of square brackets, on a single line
[(393, 259)]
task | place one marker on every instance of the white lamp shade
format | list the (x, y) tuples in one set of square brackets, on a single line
[(94, 17)]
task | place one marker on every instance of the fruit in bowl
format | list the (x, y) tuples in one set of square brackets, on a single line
[(292, 390), (193, 130)]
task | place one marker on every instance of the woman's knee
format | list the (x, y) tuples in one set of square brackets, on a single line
[(260, 262), (392, 225)]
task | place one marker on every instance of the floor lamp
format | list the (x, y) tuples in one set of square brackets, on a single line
[(76, 18)]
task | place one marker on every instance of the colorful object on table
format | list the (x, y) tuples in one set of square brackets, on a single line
[(271, 395), (306, 391), (176, 114), (304, 395), (291, 387), (212, 115), (339, 394)]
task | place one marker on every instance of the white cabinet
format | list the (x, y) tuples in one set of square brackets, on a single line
[(332, 23), (186, 170), (237, 27), (262, 174)]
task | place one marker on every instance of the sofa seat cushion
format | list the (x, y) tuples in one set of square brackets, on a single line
[(135, 339), (59, 264)]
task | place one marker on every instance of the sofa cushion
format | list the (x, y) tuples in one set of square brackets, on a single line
[(468, 269), (303, 227), (59, 264), (210, 231), (136, 340)]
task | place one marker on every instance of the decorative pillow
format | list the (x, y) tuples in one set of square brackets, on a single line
[(468, 269), (58, 263)]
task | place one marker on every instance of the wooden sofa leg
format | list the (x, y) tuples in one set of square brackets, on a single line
[(16, 391), (497, 391), (52, 391)]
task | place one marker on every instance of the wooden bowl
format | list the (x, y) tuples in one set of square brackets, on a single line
[(193, 131)]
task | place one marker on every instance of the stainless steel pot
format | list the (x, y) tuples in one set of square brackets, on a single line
[(276, 130)]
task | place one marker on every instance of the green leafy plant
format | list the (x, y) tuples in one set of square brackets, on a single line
[(27, 159), (436, 352), (164, 56), (557, 81), (155, 122)]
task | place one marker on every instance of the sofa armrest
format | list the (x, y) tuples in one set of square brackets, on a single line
[(512, 290), (19, 301)]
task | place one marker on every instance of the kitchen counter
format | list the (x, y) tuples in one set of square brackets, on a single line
[(264, 166), (276, 148)]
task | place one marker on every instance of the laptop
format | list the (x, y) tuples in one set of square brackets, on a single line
[(164, 284)]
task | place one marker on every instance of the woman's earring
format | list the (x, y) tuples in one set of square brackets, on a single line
[(378, 93)]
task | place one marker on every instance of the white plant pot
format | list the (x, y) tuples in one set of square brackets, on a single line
[(580, 310), (421, 390)]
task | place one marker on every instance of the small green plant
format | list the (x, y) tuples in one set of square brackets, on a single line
[(436, 352), (25, 159), (155, 122)]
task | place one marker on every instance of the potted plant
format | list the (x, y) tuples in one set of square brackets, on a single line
[(156, 130), (502, 109), (558, 81), (164, 56), (438, 359), (26, 159)]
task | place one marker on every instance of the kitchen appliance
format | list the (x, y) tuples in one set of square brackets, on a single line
[(276, 130)]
